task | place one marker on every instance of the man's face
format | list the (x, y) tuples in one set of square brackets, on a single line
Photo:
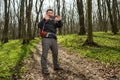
[(50, 13)]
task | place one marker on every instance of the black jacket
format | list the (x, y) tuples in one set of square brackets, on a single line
[(50, 25)]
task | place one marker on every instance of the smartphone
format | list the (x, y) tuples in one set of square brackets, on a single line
[(52, 17)]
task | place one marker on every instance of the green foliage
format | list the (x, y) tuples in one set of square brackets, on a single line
[(12, 54), (108, 52)]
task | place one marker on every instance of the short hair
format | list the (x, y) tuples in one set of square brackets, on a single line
[(49, 10)]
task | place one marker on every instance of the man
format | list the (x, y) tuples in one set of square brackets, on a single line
[(48, 28)]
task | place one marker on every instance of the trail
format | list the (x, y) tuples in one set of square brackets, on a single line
[(75, 67)]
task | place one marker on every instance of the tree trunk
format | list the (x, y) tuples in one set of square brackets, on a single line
[(22, 22), (28, 17), (89, 40), (115, 18), (64, 17), (37, 17), (105, 21), (19, 27), (5, 30), (113, 23), (81, 17), (118, 13), (58, 13), (100, 16)]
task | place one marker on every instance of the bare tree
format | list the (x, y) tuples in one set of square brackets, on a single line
[(22, 22), (113, 23), (89, 40), (64, 17), (16, 10), (58, 13), (29, 4), (1, 20), (37, 17), (81, 17), (6, 24), (100, 15), (115, 18), (105, 17)]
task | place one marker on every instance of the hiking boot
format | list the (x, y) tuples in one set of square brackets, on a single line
[(58, 69), (45, 72)]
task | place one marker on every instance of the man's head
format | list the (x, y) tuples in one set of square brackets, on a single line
[(49, 12)]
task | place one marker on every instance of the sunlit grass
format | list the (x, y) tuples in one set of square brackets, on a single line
[(108, 52), (11, 54)]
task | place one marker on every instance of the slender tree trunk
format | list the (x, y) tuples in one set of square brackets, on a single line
[(118, 13), (90, 35), (100, 15), (22, 22), (58, 13), (19, 27), (28, 18), (64, 17), (37, 17), (5, 30), (113, 24), (17, 18), (89, 40), (105, 21), (115, 18), (81, 17)]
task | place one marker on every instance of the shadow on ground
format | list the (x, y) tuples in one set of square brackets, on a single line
[(65, 75)]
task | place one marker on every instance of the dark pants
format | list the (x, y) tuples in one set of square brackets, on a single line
[(49, 43)]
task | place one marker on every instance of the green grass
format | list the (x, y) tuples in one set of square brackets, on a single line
[(109, 52), (11, 55)]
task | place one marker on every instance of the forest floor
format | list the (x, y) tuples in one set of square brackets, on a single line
[(75, 67)]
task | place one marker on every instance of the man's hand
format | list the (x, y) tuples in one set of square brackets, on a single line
[(57, 18), (47, 17)]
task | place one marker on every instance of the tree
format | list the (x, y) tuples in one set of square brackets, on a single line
[(28, 18), (104, 19), (81, 17), (58, 13), (16, 10), (115, 18), (22, 22), (112, 19), (64, 17), (89, 40), (37, 17), (100, 15), (6, 22)]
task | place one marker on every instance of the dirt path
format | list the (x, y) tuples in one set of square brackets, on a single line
[(75, 67)]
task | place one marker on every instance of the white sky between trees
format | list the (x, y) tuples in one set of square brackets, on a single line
[(50, 4), (47, 4)]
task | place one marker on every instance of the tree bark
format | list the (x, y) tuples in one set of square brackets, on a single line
[(58, 13), (105, 20), (37, 17), (64, 17), (5, 30), (22, 22), (113, 23), (115, 18), (28, 17), (100, 16), (81, 17), (89, 40)]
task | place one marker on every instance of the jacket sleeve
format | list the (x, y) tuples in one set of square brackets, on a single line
[(59, 24), (41, 24)]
